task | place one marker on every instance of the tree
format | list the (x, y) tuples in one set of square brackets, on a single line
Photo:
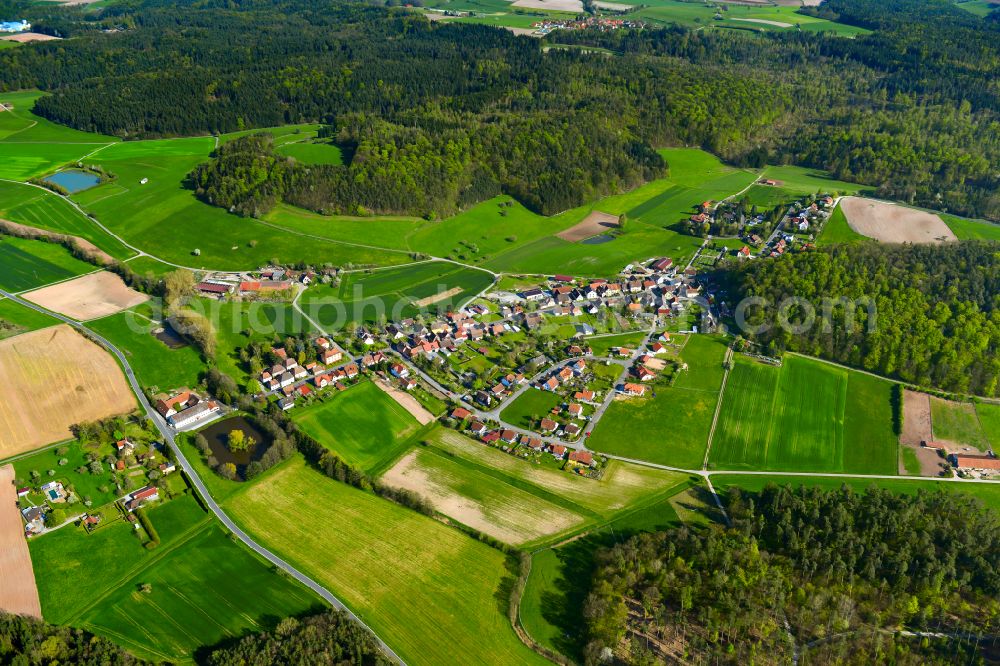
[(240, 441), (176, 286)]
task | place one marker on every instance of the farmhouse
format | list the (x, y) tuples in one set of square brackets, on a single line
[(975, 462), (180, 400), (214, 289), (141, 496), (582, 458), (195, 414)]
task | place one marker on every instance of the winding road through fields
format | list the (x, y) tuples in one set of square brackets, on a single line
[(168, 437)]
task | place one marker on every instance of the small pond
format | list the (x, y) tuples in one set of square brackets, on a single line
[(217, 435), (598, 240), (74, 180), (171, 338)]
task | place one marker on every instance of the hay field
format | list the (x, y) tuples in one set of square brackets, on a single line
[(435, 595), (480, 500), (54, 378), (18, 593), (89, 297), (892, 223)]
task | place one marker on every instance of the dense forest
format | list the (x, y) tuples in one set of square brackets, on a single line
[(926, 314), (443, 115), (328, 638), (806, 575), (25, 642)]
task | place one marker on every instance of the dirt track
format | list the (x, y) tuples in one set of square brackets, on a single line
[(916, 429), (443, 296), (18, 593), (595, 223), (52, 379), (892, 223), (88, 297)]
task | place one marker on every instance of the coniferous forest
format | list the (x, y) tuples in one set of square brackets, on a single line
[(807, 575), (441, 116)]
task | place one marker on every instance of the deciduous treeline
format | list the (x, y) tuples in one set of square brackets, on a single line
[(926, 314)]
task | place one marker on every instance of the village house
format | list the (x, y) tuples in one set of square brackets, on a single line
[(34, 519), (286, 403), (558, 451), (634, 389), (548, 425), (582, 458), (54, 492), (460, 413), (575, 409)]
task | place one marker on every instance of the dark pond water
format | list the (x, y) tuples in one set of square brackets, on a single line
[(74, 180), (168, 336), (598, 240), (217, 435)]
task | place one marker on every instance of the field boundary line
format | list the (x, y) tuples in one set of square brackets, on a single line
[(718, 405), (144, 564), (57, 282)]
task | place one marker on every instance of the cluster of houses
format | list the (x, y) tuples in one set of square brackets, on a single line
[(184, 408), (519, 443), (267, 282), (654, 287), (292, 379), (591, 23), (414, 339)]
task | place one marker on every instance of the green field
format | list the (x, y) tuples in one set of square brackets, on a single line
[(363, 425), (958, 422), (989, 493), (391, 293), (743, 17), (205, 588), (42, 209), (486, 500), (33, 146), (978, 7), (29, 264), (672, 427), (989, 418), (804, 416), (837, 230), (529, 407), (312, 153), (155, 215), (16, 318), (156, 365), (967, 229), (428, 590)]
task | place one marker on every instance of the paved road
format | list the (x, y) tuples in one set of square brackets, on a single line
[(168, 437)]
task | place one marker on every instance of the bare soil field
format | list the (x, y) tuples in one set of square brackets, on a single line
[(554, 5), (613, 6), (407, 402), (515, 518), (88, 248), (18, 594), (89, 297), (892, 223), (443, 296), (24, 37), (777, 24), (592, 225), (52, 379), (916, 429)]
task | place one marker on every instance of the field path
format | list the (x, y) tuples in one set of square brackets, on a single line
[(168, 437), (718, 408)]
